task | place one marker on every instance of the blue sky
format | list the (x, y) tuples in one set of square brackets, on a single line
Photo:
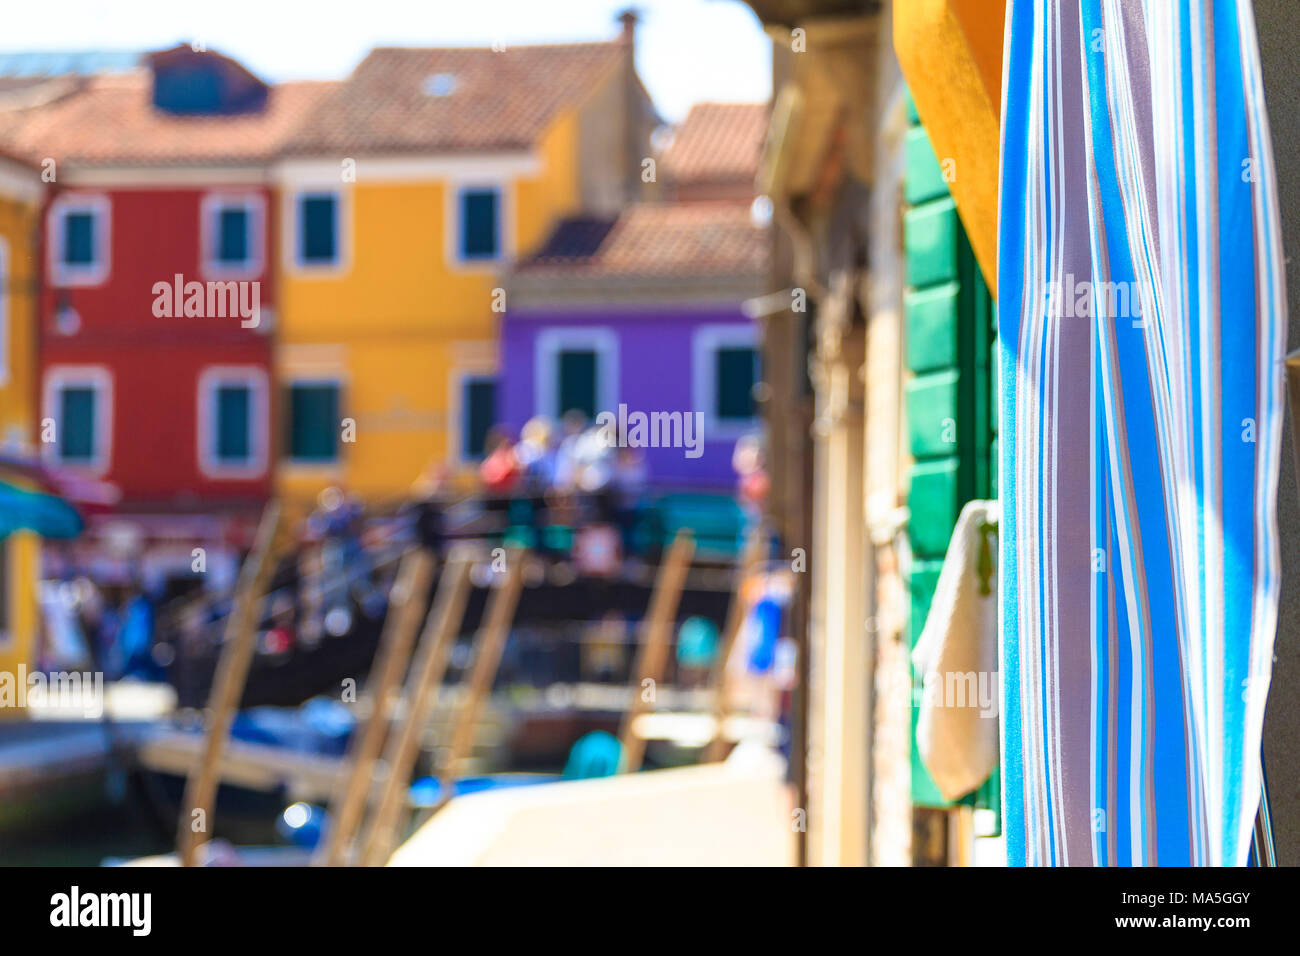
[(687, 50)]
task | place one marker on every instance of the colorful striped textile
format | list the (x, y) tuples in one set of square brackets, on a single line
[(1142, 329)]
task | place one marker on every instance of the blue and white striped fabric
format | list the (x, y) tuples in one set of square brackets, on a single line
[(1143, 322)]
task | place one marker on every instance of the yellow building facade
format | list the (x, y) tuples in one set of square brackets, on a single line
[(20, 194), (392, 262)]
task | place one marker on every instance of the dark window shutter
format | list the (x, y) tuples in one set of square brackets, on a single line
[(77, 424), (577, 384), (479, 231), (232, 232), (313, 422), (319, 225), (734, 381), (79, 239), (478, 415), (233, 425)]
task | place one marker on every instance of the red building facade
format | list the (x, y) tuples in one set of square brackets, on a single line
[(158, 293), (171, 405)]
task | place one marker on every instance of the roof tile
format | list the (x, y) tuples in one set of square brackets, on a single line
[(497, 100), (717, 143), (110, 119), (658, 239)]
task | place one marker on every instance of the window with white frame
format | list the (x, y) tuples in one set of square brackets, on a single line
[(576, 370), (724, 371), (232, 234), (479, 219), (79, 240), (319, 222), (232, 428), (79, 402)]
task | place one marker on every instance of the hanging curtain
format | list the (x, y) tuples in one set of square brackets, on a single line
[(1142, 325)]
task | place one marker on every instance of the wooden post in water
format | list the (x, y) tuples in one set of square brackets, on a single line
[(750, 559), (656, 639), (489, 643), (228, 685), (405, 607), (421, 695)]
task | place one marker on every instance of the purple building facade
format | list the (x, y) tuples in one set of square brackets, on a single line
[(642, 314), (649, 359)]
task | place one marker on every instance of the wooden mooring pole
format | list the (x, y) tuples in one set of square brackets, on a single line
[(197, 810), (656, 640), (405, 610), (420, 696)]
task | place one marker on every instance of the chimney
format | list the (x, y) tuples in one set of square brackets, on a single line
[(633, 146), (629, 18)]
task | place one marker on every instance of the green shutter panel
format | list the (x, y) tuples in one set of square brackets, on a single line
[(949, 323), (314, 422), (478, 414), (577, 383), (233, 420), (735, 370), (77, 424)]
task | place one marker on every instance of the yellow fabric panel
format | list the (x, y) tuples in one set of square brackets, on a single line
[(950, 52)]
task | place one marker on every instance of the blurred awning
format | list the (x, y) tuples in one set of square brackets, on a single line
[(47, 515)]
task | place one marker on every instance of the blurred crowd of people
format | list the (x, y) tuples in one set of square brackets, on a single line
[(574, 476), (575, 467)]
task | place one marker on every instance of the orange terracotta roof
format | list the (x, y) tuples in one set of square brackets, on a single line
[(10, 156), (454, 99), (110, 119), (657, 239), (717, 142)]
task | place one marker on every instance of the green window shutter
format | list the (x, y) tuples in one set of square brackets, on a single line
[(234, 424), (735, 371), (79, 239), (232, 236), (478, 415), (314, 422), (932, 241), (931, 326), (949, 327), (577, 384), (77, 423), (924, 174), (318, 224), (480, 226), (933, 415)]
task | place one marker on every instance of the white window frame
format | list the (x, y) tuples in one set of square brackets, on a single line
[(254, 379), (301, 465), (99, 378), (601, 339), (97, 205), (505, 224), (342, 231), (706, 341), (211, 207)]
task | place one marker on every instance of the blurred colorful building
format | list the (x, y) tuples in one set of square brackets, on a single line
[(405, 198), (20, 194), (159, 294), (642, 311)]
